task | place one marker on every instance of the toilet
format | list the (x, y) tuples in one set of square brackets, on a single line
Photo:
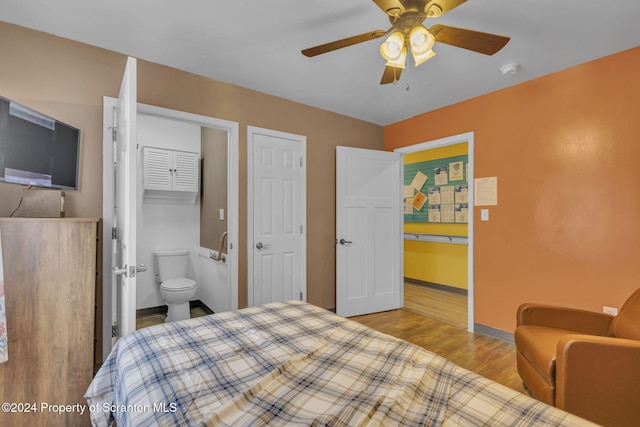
[(176, 290)]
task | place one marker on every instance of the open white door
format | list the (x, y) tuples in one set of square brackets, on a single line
[(369, 231), (124, 213)]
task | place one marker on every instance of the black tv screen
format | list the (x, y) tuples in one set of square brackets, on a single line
[(36, 149)]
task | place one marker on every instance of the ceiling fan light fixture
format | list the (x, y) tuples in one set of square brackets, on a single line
[(421, 41), (422, 58), (392, 48), (400, 61)]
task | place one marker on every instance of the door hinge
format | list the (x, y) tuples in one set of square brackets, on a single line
[(114, 233), (114, 330), (300, 295), (114, 128), (301, 229), (300, 161)]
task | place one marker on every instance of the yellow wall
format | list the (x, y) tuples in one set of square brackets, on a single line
[(441, 263)]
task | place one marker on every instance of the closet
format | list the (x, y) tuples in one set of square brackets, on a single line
[(50, 279)]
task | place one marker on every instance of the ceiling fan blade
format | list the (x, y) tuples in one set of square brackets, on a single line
[(435, 8), (468, 39), (390, 75), (339, 44), (390, 7)]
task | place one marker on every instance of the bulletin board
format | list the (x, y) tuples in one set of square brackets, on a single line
[(436, 191)]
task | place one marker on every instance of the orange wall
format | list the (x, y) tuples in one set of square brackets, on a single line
[(566, 151)]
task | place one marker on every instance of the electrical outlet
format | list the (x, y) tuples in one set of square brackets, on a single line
[(484, 214), (610, 310)]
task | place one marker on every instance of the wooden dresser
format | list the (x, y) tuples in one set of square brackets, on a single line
[(50, 278)]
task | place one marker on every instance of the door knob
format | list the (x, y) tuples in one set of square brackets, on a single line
[(260, 245), (342, 241)]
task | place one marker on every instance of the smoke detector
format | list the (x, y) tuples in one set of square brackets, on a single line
[(510, 68)]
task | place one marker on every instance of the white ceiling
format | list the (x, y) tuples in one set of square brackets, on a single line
[(256, 44)]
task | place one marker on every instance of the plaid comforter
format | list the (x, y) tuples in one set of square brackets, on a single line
[(294, 364)]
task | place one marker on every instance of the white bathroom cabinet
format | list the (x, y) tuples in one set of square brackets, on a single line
[(170, 176)]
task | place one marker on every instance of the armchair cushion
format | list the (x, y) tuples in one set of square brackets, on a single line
[(537, 344)]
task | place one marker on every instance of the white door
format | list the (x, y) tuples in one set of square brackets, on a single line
[(277, 244), (369, 231), (124, 215)]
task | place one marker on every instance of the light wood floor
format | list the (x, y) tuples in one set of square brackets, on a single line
[(436, 303), (488, 357)]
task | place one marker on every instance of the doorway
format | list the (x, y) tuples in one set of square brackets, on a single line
[(226, 294), (467, 138)]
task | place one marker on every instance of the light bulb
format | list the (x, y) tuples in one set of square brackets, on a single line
[(392, 48)]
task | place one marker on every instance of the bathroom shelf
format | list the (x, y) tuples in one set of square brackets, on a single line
[(170, 176)]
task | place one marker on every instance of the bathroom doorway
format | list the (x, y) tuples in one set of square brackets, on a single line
[(161, 225)]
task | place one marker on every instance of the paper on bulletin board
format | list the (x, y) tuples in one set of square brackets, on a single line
[(4, 353), (462, 213), (434, 195), (447, 213), (434, 213), (456, 171), (486, 191), (408, 209), (441, 175), (418, 181), (418, 200), (408, 191), (461, 193), (447, 194)]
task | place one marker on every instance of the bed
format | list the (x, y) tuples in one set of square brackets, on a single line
[(294, 364)]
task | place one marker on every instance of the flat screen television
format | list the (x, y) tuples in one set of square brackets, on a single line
[(36, 149)]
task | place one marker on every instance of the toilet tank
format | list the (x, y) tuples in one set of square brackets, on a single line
[(170, 264)]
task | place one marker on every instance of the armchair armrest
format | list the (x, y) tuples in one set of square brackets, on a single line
[(583, 321), (598, 378)]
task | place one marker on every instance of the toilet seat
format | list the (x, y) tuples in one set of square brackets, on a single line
[(178, 285)]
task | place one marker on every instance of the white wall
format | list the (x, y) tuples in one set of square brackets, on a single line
[(162, 226)]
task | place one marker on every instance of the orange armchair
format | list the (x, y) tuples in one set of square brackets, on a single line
[(584, 362)]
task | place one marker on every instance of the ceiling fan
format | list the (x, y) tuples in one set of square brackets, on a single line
[(406, 18)]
